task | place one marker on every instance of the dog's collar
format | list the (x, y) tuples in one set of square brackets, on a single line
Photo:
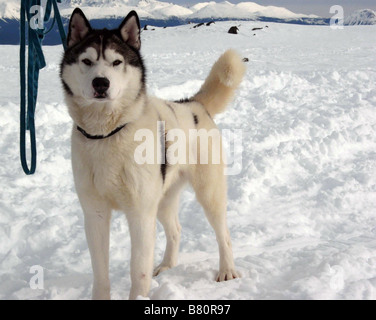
[(89, 136)]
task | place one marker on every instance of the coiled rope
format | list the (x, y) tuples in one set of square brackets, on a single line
[(36, 61)]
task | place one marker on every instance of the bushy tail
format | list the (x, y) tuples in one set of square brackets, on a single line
[(219, 87)]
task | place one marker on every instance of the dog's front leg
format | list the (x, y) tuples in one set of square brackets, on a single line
[(97, 229), (142, 230)]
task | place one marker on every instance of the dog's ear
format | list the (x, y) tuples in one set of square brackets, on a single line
[(79, 27), (130, 30)]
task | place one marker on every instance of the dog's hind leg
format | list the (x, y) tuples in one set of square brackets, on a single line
[(210, 187), (168, 216)]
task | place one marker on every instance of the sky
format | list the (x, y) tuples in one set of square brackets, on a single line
[(318, 7)]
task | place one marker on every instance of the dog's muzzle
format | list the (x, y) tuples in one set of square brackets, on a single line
[(100, 86)]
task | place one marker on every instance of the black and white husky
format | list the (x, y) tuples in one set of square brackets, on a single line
[(103, 78)]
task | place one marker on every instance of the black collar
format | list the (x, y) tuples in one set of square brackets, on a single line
[(89, 136)]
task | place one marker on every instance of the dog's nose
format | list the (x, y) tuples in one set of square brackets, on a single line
[(101, 85)]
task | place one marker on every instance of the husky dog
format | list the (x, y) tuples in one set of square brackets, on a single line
[(103, 78)]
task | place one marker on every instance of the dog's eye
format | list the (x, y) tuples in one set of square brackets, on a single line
[(116, 63), (87, 62)]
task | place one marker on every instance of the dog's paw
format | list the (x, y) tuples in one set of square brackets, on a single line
[(160, 269), (224, 275)]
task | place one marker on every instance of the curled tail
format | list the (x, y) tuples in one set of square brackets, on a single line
[(219, 87)]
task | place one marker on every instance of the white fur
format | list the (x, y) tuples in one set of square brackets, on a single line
[(107, 177)]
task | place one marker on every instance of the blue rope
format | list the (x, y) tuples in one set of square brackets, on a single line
[(36, 62)]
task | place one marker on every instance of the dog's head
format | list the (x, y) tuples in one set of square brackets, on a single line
[(102, 65)]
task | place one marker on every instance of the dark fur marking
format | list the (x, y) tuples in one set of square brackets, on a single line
[(185, 100), (195, 118), (163, 150), (172, 109), (67, 88), (163, 171), (91, 40)]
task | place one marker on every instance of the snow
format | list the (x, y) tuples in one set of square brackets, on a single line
[(9, 9), (301, 212), (366, 17), (243, 10), (171, 11), (200, 5)]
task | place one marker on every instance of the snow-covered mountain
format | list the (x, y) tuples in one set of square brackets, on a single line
[(242, 10), (9, 9), (154, 9), (365, 17)]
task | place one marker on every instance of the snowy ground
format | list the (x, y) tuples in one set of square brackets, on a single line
[(302, 212)]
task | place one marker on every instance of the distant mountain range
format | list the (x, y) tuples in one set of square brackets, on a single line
[(109, 13), (361, 17), (154, 9)]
